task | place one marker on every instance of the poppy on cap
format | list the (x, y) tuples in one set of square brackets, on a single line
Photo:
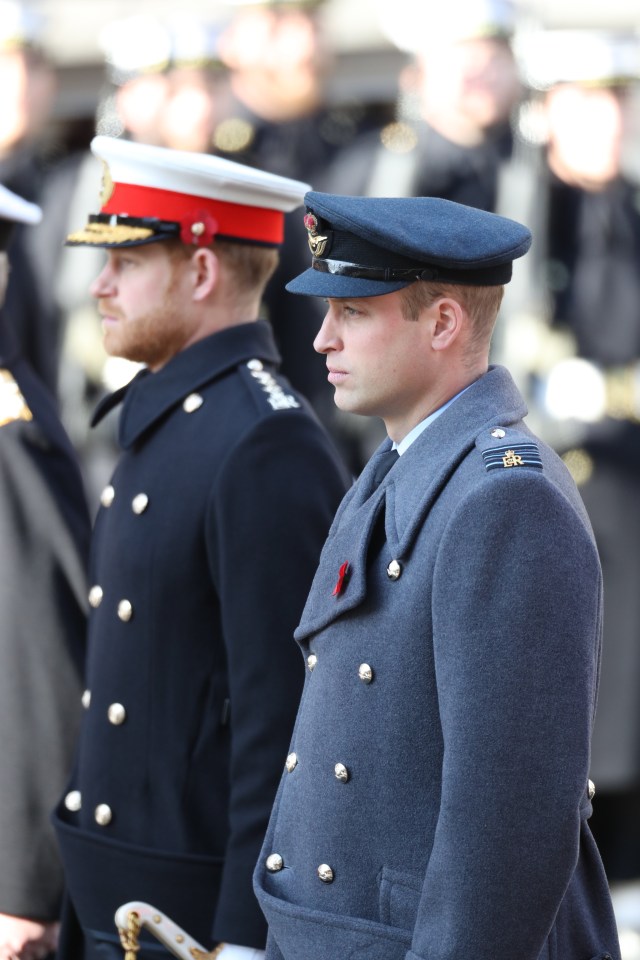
[(368, 246), (153, 193)]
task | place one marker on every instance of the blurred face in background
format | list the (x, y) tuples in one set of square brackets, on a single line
[(28, 88), (468, 87), (585, 127)]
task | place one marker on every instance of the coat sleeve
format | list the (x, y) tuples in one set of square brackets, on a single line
[(42, 617), (516, 614), (272, 508)]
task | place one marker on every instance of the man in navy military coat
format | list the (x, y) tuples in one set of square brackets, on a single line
[(203, 552), (436, 796)]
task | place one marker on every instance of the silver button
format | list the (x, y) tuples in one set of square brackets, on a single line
[(140, 503), (95, 596), (274, 863), (341, 772), (192, 403), (86, 699), (292, 762), (325, 873), (255, 365), (591, 789), (498, 433), (365, 673), (394, 570), (103, 814), (117, 714), (73, 801), (125, 610), (107, 496), (311, 661)]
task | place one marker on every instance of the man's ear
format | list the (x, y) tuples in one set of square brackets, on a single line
[(448, 321), (206, 272)]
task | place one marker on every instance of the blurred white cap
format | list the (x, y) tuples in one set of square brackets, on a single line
[(411, 26), (20, 25), (595, 57)]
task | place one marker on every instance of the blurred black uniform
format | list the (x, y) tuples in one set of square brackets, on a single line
[(44, 533)]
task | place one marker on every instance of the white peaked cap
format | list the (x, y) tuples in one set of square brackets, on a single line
[(191, 195)]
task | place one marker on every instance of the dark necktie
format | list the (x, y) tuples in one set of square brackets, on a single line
[(384, 464)]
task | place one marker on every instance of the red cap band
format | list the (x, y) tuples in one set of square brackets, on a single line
[(233, 219)]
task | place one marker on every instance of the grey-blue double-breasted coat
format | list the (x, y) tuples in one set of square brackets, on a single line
[(435, 799)]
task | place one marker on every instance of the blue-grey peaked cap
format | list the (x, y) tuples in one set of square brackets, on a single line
[(368, 246)]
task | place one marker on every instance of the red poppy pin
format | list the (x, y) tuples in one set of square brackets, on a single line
[(342, 576), (198, 228)]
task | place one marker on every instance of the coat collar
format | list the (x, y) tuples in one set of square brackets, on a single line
[(406, 494), (150, 395)]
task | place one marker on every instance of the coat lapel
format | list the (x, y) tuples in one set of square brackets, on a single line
[(406, 495)]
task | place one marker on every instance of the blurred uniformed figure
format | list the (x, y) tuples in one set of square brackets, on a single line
[(436, 798), (204, 549), (453, 131), (570, 331), (44, 535), (279, 61), (28, 84)]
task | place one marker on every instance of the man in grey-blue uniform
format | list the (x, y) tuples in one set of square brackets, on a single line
[(436, 796)]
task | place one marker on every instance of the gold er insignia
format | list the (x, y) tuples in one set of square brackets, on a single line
[(317, 242), (13, 406), (107, 186), (511, 459)]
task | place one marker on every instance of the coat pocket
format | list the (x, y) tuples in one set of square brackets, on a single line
[(399, 898)]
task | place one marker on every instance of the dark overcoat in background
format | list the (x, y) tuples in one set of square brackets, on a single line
[(44, 541), (204, 550), (436, 798)]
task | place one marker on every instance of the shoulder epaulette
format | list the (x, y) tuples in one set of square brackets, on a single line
[(504, 448), (13, 405), (276, 396)]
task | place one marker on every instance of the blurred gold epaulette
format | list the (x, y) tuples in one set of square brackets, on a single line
[(13, 405)]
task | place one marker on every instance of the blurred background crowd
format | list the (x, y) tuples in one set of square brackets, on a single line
[(527, 108)]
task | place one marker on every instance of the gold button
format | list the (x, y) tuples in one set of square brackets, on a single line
[(342, 774), (125, 610), (86, 699), (103, 815), (325, 873), (192, 403), (117, 714), (255, 365), (311, 661), (73, 801), (394, 570), (140, 503), (95, 596), (107, 496), (292, 762), (591, 789), (365, 673), (498, 433), (274, 863)]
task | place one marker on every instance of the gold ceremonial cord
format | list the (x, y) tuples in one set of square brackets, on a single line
[(129, 937), (131, 944)]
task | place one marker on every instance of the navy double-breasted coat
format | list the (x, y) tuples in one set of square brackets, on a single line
[(435, 798), (204, 549)]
